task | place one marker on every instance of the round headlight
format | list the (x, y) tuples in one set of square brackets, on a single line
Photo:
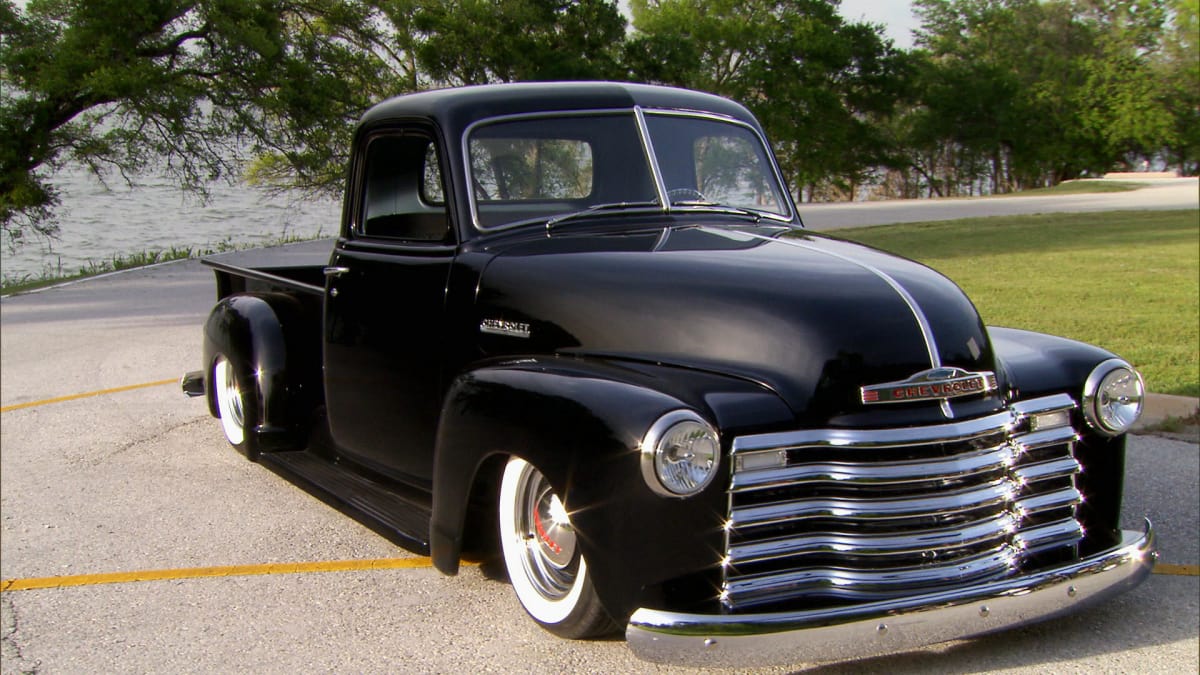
[(1113, 397), (680, 454)]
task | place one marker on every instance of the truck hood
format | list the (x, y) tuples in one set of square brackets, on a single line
[(810, 317)]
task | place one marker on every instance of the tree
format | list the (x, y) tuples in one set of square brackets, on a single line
[(1179, 71), (819, 85), (1041, 91), (263, 89), (460, 42), (1121, 102), (191, 86)]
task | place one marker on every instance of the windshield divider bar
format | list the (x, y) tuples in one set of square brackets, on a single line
[(660, 185)]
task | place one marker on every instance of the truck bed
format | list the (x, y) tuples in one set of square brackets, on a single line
[(292, 267)]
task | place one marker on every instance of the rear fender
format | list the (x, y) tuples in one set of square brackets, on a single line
[(265, 337)]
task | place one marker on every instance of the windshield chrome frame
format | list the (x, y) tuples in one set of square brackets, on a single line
[(639, 114), (785, 196)]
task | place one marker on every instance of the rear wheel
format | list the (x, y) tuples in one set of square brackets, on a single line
[(542, 556), (236, 403)]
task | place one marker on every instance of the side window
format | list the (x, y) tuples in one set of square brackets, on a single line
[(403, 195), (431, 184)]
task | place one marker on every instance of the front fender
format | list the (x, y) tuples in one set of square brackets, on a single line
[(1038, 365), (581, 424)]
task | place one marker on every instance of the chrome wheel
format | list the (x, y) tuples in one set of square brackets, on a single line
[(230, 402), (542, 556), (547, 540)]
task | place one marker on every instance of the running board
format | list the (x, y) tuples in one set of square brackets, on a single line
[(398, 514)]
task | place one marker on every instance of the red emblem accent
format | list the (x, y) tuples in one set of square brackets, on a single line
[(545, 536)]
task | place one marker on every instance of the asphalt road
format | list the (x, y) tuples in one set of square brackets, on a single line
[(142, 479), (1178, 193)]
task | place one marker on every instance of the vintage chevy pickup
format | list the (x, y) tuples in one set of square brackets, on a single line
[(580, 326)]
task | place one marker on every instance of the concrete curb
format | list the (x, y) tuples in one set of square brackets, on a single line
[(1142, 175), (1161, 406)]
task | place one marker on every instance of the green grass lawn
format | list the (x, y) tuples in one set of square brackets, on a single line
[(1128, 281)]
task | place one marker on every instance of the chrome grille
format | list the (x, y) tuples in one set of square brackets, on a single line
[(835, 515)]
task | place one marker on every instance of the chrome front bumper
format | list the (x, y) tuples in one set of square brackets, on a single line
[(890, 626)]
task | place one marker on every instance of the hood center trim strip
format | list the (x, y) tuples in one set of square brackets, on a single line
[(935, 361)]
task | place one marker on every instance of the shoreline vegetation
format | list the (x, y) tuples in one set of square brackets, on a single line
[(117, 262)]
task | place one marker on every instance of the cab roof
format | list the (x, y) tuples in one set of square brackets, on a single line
[(459, 107)]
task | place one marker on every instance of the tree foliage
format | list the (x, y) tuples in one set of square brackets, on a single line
[(461, 42), (1022, 93), (819, 85), (999, 94), (1179, 71), (185, 87)]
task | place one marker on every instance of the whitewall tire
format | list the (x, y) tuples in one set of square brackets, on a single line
[(542, 556), (236, 403)]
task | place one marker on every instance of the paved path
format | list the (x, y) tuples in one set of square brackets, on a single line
[(1178, 193), (142, 479)]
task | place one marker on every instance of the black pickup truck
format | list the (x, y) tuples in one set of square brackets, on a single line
[(579, 327)]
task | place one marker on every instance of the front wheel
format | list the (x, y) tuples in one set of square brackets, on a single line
[(236, 404), (542, 556)]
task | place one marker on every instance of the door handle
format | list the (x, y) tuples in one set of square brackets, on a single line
[(335, 272)]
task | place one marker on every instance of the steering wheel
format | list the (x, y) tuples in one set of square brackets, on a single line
[(480, 192), (685, 195)]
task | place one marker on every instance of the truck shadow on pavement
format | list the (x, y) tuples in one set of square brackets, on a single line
[(1163, 611)]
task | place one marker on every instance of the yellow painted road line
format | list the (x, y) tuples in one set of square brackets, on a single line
[(1177, 570), (89, 394), (297, 568), (201, 572)]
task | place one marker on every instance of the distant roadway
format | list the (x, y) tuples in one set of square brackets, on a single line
[(135, 540), (1178, 193)]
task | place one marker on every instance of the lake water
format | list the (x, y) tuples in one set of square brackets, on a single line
[(98, 222)]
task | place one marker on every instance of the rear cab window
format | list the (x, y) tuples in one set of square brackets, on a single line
[(403, 196)]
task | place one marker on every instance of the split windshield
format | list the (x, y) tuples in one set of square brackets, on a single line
[(543, 168)]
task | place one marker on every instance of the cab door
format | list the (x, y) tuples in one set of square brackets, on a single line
[(385, 292)]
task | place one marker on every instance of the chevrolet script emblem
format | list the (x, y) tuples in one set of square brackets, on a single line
[(935, 384), (518, 329)]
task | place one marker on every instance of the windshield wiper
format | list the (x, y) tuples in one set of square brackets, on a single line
[(720, 208), (597, 208)]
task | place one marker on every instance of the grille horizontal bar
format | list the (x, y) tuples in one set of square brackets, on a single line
[(1067, 497), (850, 514), (1055, 468), (987, 530), (877, 438), (868, 584), (881, 473), (866, 508), (1041, 439), (1066, 531)]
